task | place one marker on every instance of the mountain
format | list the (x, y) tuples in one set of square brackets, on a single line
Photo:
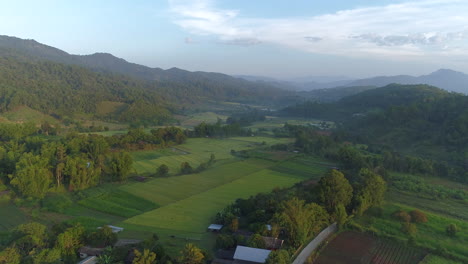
[(300, 84), (215, 86), (444, 78), (368, 101)]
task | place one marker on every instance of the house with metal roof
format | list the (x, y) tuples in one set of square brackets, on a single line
[(249, 255)]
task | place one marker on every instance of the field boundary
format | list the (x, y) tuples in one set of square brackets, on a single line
[(307, 251)]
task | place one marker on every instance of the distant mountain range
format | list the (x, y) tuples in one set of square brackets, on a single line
[(208, 84), (444, 78)]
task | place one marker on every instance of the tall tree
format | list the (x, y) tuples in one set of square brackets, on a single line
[(147, 257), (370, 192), (32, 176), (119, 166), (301, 220), (335, 189), (10, 255), (278, 257), (191, 255), (71, 240)]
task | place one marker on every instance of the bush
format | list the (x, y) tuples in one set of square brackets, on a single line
[(355, 226), (402, 216), (418, 216), (452, 230), (185, 168), (409, 228), (162, 170)]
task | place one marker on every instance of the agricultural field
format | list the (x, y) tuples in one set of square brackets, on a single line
[(278, 122), (359, 248), (429, 235), (195, 119), (117, 202), (434, 259), (196, 151)]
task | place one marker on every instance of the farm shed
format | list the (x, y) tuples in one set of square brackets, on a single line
[(89, 251), (115, 229), (89, 260), (215, 227), (250, 255)]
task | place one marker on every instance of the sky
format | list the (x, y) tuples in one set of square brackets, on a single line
[(275, 38)]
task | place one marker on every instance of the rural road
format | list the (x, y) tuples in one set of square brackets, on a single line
[(305, 253)]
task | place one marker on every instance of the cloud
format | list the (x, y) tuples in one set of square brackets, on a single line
[(410, 29)]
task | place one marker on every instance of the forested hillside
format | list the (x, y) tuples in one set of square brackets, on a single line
[(369, 100), (64, 91), (416, 120), (180, 83)]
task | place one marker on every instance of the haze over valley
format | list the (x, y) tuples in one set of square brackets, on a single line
[(227, 132)]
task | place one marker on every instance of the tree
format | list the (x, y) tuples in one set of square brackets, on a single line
[(234, 224), (374, 187), (185, 168), (33, 235), (32, 176), (335, 189), (47, 256), (162, 170), (71, 240), (10, 255), (147, 257), (81, 173), (191, 255), (256, 241), (119, 165), (301, 220), (418, 216), (340, 215), (278, 257)]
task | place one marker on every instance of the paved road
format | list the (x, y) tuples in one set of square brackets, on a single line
[(305, 253)]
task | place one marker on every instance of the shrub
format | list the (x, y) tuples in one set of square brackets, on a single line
[(452, 230), (355, 226), (402, 216), (409, 228), (418, 216), (185, 168), (162, 170)]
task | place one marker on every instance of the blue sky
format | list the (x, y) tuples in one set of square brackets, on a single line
[(256, 37)]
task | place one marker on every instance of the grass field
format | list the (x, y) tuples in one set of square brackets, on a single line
[(197, 118), (10, 216), (196, 151), (25, 114)]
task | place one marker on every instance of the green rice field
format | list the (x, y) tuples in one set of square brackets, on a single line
[(196, 151)]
